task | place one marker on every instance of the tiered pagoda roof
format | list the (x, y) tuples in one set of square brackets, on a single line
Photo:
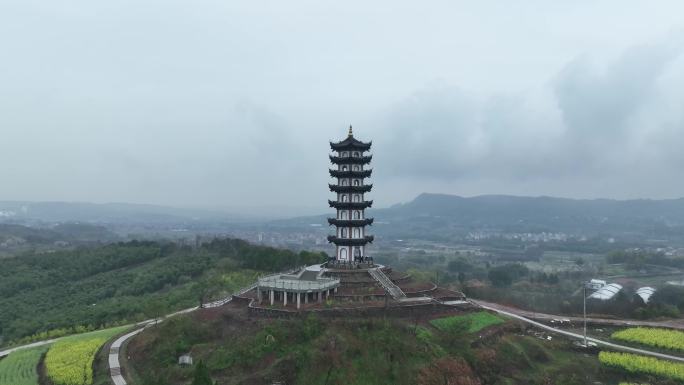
[(350, 144), (349, 162), (350, 159), (350, 205), (350, 222), (350, 189), (350, 241), (350, 173)]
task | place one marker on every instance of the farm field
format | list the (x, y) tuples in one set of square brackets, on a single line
[(472, 322), (70, 360), (19, 368), (660, 338), (634, 363)]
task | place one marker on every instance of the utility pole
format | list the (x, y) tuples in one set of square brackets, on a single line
[(584, 300)]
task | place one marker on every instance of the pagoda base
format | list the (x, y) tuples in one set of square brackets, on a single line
[(350, 265)]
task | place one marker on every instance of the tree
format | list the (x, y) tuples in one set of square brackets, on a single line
[(201, 375)]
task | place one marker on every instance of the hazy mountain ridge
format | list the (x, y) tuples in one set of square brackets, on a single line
[(103, 212), (536, 207), (442, 216)]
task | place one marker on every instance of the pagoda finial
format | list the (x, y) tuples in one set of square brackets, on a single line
[(350, 130)]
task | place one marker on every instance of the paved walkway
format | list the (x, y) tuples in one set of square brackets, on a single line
[(115, 349), (579, 336), (33, 345), (672, 324), (114, 365)]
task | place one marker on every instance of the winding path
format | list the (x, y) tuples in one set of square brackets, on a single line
[(5, 353), (623, 348), (115, 349)]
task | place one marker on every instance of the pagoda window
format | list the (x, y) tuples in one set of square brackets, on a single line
[(357, 232), (356, 168), (343, 215), (356, 182), (345, 154), (345, 198), (357, 198), (343, 232), (343, 254), (344, 182), (357, 214), (357, 252), (344, 168), (356, 154)]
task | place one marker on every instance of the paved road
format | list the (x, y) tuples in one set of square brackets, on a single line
[(672, 324), (579, 336), (39, 343)]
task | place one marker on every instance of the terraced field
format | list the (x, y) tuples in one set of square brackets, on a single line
[(660, 338), (70, 360), (19, 368), (635, 363), (472, 322)]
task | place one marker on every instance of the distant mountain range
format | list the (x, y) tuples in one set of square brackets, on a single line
[(442, 216), (428, 216), (104, 213)]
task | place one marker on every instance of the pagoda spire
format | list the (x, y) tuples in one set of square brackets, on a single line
[(350, 130)]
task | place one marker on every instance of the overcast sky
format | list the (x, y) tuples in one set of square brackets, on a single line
[(232, 103)]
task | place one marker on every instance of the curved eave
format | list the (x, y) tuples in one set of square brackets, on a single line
[(350, 174), (350, 205), (350, 189), (350, 241), (350, 159), (350, 145), (350, 222)]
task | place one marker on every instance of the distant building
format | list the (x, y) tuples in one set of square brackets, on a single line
[(645, 293), (596, 284), (606, 292), (185, 359)]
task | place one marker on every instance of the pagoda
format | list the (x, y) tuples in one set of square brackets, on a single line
[(349, 161)]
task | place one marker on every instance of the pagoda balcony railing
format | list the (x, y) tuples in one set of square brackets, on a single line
[(350, 159), (350, 241), (350, 222), (350, 189), (350, 173), (350, 205)]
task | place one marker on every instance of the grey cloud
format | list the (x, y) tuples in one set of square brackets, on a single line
[(232, 104), (600, 126)]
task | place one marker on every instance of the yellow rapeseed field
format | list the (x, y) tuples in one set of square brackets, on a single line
[(661, 338), (70, 361), (641, 364)]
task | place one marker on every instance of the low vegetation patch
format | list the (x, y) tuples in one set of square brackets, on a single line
[(634, 363), (470, 323), (70, 361), (19, 368), (660, 338)]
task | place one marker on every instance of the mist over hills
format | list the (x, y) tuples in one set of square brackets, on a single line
[(441, 216), (503, 209), (428, 216), (105, 212)]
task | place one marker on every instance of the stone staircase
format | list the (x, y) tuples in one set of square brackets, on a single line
[(387, 284)]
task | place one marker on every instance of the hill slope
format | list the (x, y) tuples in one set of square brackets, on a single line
[(105, 285)]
